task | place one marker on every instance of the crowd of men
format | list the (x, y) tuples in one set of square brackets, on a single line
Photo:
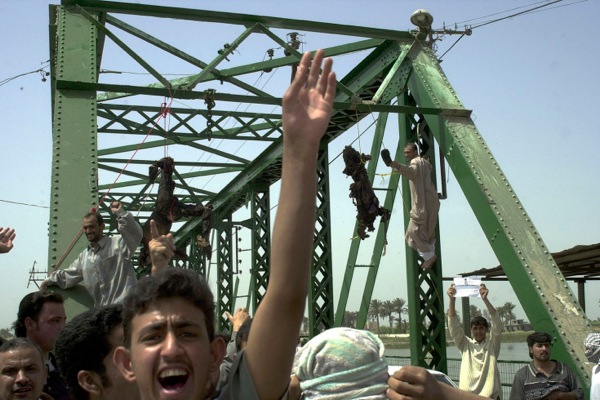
[(155, 338)]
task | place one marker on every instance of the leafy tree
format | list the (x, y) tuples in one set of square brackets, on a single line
[(399, 308), (350, 319), (387, 310), (486, 315), (375, 308), (507, 313), (474, 311)]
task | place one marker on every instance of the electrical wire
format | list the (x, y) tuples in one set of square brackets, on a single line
[(538, 8), (500, 12), (22, 204), (516, 14), (42, 71)]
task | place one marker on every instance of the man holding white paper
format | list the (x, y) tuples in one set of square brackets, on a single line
[(479, 371)]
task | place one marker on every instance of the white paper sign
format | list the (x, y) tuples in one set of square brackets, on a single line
[(467, 287)]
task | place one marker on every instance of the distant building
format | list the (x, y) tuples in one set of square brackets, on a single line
[(518, 325)]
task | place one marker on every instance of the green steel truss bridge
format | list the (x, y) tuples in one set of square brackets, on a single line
[(224, 131)]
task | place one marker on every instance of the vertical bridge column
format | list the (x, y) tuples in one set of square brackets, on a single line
[(74, 188), (261, 243), (320, 296), (224, 272)]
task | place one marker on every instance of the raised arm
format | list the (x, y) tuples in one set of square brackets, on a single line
[(307, 106), (454, 326), (128, 227), (7, 235), (161, 249), (409, 171), (452, 301), (483, 292)]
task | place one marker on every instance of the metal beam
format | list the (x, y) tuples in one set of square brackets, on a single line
[(540, 287)]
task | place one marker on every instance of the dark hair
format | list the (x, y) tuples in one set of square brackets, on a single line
[(31, 306), (19, 343), (243, 333), (170, 283), (224, 335), (538, 337), (95, 214), (83, 344), (479, 320), (412, 145)]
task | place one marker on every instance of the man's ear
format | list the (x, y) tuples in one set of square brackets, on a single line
[(217, 352), (90, 382), (122, 359), (29, 323)]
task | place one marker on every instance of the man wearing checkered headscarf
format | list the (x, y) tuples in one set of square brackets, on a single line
[(342, 363), (592, 352)]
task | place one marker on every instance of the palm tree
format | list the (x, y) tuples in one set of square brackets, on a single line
[(474, 311), (509, 313), (375, 311), (387, 310), (486, 315), (399, 308)]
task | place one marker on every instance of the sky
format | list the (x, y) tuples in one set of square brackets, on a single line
[(530, 80)]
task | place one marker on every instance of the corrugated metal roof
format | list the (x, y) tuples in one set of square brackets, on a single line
[(581, 262)]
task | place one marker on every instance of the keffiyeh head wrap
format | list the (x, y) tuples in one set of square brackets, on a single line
[(342, 363), (592, 347)]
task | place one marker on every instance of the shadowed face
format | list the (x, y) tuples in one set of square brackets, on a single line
[(116, 386), (49, 323), (409, 153)]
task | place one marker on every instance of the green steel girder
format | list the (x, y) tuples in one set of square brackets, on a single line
[(225, 297), (529, 266), (215, 74), (197, 260), (356, 242), (120, 119), (425, 290), (261, 244), (363, 80), (393, 83), (237, 19), (227, 75), (85, 106), (320, 295), (142, 180), (105, 32), (74, 145)]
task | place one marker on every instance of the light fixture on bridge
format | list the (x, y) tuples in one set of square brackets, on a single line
[(422, 19)]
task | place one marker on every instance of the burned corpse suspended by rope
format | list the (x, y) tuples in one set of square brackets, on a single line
[(361, 192), (168, 209)]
